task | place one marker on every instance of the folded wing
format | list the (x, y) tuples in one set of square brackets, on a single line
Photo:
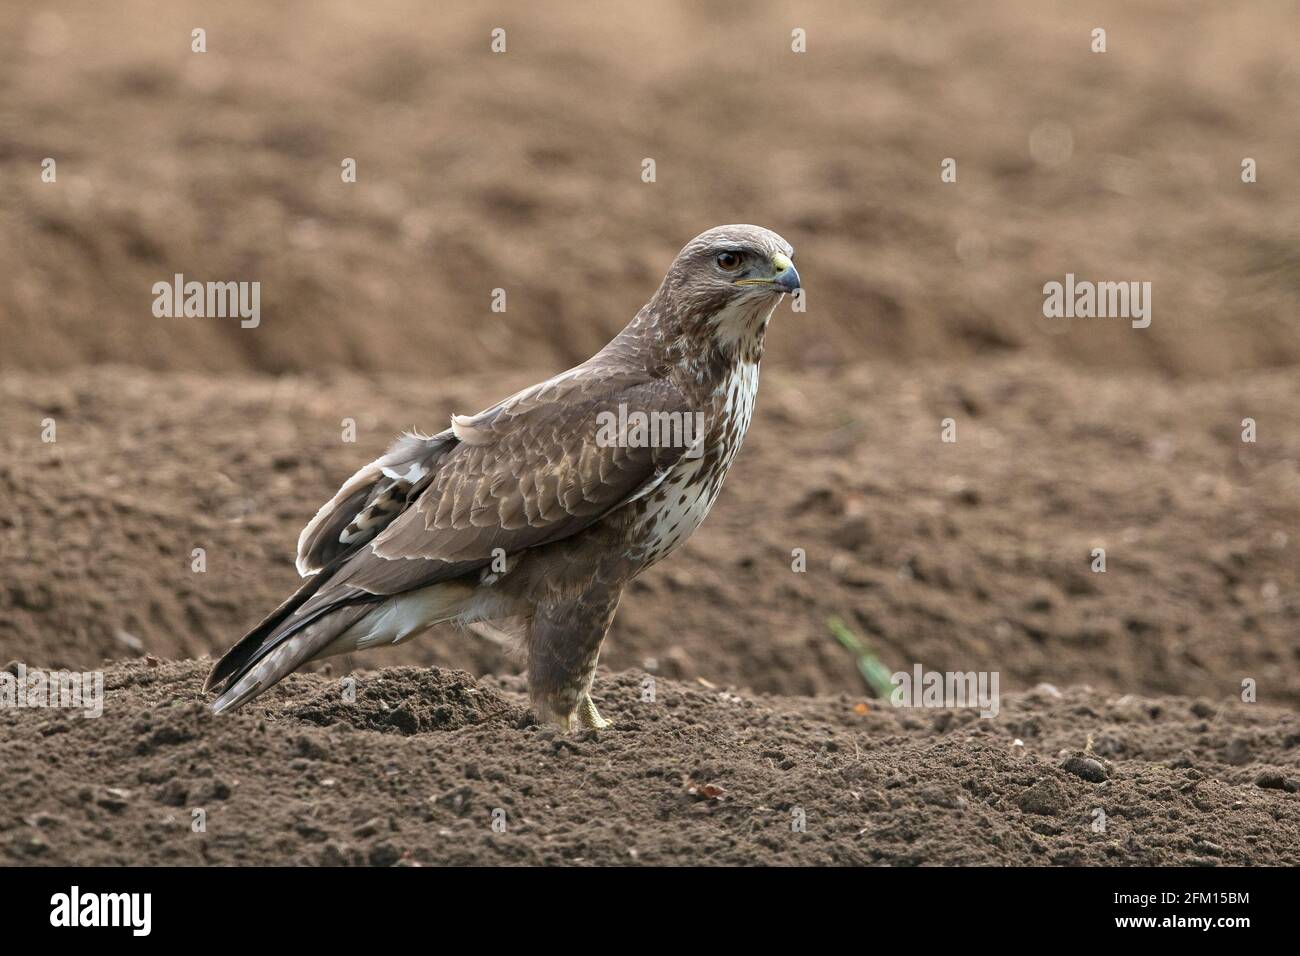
[(528, 471)]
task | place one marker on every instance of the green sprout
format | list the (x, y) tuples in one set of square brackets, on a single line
[(873, 671)]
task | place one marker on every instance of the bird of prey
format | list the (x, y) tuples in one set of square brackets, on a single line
[(529, 518)]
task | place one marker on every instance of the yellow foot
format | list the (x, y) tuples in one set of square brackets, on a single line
[(589, 717)]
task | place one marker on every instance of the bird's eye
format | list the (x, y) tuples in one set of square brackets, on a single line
[(729, 261)]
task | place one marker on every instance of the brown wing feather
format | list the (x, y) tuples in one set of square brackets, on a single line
[(531, 472), (368, 500)]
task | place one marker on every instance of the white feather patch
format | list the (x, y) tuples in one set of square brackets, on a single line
[(462, 426)]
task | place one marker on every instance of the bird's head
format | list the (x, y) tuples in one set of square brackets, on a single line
[(725, 283)]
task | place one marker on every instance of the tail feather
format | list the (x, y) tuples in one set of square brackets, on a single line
[(284, 640), (238, 656), (283, 654), (311, 624)]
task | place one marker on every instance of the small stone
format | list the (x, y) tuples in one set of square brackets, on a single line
[(1273, 780), (113, 799), (1085, 766)]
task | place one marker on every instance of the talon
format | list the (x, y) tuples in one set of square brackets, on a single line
[(590, 717)]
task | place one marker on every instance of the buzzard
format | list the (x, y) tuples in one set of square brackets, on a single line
[(529, 518)]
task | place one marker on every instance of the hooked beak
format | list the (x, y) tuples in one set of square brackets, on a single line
[(786, 278)]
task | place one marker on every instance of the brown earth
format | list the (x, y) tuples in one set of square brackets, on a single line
[(522, 171), (415, 770)]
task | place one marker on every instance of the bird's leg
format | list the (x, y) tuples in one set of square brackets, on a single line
[(563, 646), (589, 716)]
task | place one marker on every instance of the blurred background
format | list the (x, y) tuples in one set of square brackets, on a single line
[(522, 171)]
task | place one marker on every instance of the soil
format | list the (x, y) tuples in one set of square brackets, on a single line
[(160, 523), (419, 767), (523, 171)]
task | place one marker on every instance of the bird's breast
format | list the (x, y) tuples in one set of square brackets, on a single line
[(667, 516)]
